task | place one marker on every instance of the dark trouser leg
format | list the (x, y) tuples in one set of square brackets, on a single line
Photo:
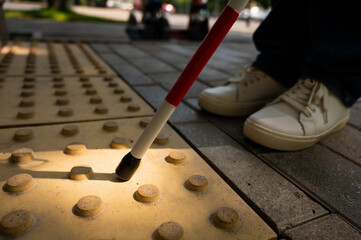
[(335, 56), (317, 39), (282, 39)]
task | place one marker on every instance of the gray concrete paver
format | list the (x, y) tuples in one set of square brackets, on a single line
[(346, 142), (208, 74), (355, 117), (222, 65), (128, 51), (112, 59), (329, 176), (151, 65), (130, 74), (176, 48), (171, 58), (158, 52), (100, 48), (325, 228), (211, 74)]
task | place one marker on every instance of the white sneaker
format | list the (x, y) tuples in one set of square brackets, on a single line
[(299, 118), (242, 95)]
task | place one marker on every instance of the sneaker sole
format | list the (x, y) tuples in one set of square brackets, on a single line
[(285, 142), (228, 109)]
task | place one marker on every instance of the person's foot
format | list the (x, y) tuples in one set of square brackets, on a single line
[(297, 119), (242, 95)]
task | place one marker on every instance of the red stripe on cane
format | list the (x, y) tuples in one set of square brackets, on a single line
[(202, 55)]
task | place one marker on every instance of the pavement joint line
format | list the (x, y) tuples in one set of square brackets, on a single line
[(281, 234), (341, 154), (312, 195)]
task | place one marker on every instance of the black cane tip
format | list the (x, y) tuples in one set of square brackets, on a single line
[(127, 167)]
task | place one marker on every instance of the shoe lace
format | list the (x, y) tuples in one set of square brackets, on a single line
[(306, 96), (248, 76)]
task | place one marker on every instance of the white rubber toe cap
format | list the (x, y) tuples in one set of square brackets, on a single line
[(225, 94), (279, 118)]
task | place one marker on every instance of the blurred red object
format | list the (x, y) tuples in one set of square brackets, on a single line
[(168, 7)]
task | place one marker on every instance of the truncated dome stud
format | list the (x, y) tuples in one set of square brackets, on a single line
[(61, 92), (119, 90), (70, 130), (102, 70), (133, 107), (16, 222), (22, 155), (169, 231), (27, 93), (162, 139), (126, 98), (81, 173), (110, 126), (58, 79), (19, 183), (113, 84), (120, 143), (197, 183), (28, 85), (62, 101), (144, 122), (176, 157), (29, 79), (65, 111), (89, 206), (23, 135), (75, 148), (101, 109), (147, 193), (226, 218), (95, 100), (87, 85), (59, 85), (91, 91), (27, 102), (25, 113)]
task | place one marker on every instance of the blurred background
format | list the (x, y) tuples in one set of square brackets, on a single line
[(178, 13)]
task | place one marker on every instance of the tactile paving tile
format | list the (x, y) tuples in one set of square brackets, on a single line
[(53, 200), (38, 100), (44, 59)]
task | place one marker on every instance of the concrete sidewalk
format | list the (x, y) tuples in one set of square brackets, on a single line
[(310, 194)]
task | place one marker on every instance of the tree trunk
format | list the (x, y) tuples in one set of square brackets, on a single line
[(60, 5), (50, 3)]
